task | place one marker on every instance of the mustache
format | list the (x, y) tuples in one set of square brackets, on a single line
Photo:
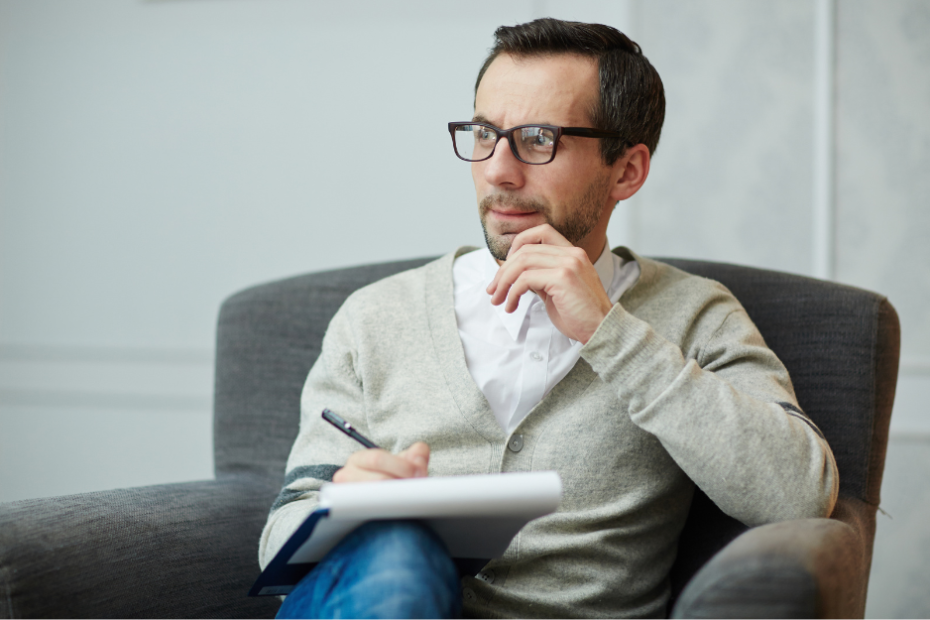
[(525, 205)]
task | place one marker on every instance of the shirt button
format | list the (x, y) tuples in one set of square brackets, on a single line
[(516, 443), (486, 576), (535, 356), (469, 595)]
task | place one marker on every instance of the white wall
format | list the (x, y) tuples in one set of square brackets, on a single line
[(156, 156)]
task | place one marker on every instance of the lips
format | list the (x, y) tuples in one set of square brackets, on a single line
[(515, 215), (514, 222), (506, 214)]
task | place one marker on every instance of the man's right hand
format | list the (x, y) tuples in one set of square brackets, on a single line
[(378, 464)]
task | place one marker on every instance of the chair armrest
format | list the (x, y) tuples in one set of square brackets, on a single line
[(177, 550), (806, 568)]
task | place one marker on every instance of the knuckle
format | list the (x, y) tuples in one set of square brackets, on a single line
[(369, 459), (380, 460)]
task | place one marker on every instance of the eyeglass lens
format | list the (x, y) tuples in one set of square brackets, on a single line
[(535, 145)]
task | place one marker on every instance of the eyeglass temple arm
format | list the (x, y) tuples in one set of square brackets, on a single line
[(586, 132)]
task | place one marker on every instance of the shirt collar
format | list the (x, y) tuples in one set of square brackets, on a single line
[(513, 322)]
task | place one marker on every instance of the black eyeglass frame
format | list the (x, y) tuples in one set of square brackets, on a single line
[(581, 132)]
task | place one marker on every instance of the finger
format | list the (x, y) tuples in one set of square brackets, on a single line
[(546, 248), (568, 251), (509, 274), (418, 454), (382, 461), (354, 474), (519, 287), (542, 234), (551, 258), (536, 280)]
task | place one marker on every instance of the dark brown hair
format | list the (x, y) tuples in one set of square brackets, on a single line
[(632, 100)]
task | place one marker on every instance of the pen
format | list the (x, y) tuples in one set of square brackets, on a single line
[(347, 428)]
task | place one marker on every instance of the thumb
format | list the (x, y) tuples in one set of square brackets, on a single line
[(418, 454)]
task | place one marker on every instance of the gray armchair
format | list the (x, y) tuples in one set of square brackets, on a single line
[(190, 550)]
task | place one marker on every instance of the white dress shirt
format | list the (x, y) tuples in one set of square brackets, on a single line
[(516, 359)]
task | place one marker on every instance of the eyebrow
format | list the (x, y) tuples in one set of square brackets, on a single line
[(478, 118)]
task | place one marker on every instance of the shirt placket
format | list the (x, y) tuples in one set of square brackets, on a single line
[(535, 359)]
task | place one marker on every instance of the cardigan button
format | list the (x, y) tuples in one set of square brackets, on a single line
[(516, 443), (469, 595), (486, 575)]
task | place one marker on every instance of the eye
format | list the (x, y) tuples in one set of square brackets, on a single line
[(483, 134), (537, 138), (543, 139)]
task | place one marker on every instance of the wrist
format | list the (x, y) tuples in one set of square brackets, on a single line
[(603, 311)]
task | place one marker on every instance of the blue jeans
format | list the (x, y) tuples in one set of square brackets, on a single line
[(384, 569)]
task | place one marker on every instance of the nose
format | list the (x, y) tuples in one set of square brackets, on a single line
[(503, 169)]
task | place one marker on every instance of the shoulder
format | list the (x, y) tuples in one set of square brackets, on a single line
[(660, 284), (403, 292), (684, 307)]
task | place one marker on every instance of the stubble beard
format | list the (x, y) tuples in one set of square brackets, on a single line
[(581, 217)]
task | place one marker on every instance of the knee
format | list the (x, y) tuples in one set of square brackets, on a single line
[(406, 534), (384, 569), (406, 545)]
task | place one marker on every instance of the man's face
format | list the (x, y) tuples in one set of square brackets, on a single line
[(571, 192)]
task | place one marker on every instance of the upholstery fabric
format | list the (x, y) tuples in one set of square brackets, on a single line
[(189, 550), (164, 551)]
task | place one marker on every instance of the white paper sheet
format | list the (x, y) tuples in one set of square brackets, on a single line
[(476, 516)]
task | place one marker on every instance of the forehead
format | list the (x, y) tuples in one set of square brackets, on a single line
[(555, 89)]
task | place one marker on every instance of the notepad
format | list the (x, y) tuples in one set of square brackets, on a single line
[(475, 516)]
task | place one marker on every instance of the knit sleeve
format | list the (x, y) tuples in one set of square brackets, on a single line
[(725, 412), (319, 450)]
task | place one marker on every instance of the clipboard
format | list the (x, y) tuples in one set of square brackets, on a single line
[(475, 516)]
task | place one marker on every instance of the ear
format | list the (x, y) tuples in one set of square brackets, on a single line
[(630, 172)]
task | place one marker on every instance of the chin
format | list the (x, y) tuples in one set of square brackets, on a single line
[(498, 245)]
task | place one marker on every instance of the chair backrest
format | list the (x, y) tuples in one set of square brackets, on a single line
[(840, 344), (268, 337)]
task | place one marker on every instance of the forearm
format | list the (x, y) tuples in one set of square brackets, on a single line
[(319, 450), (281, 524), (718, 415)]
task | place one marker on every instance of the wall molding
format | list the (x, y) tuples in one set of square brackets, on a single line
[(67, 400), (98, 354)]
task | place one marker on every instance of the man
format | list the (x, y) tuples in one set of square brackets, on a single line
[(633, 380)]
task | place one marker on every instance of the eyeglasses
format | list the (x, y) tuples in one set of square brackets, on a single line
[(531, 144)]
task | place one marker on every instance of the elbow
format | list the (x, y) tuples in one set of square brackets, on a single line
[(810, 496), (831, 488), (818, 498), (827, 490)]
